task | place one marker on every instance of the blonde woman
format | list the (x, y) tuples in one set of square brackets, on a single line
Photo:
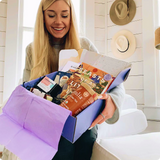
[(56, 29)]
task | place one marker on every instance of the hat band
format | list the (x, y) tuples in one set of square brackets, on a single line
[(126, 49)]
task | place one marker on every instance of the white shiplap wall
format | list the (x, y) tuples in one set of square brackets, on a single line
[(105, 29), (3, 16)]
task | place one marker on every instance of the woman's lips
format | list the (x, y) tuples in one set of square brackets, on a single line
[(58, 29)]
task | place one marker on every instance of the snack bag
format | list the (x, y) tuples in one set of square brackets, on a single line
[(79, 99), (96, 78)]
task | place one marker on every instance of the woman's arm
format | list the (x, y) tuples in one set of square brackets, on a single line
[(28, 63), (114, 100)]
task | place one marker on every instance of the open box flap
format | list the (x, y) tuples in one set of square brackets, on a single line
[(16, 139), (25, 110), (122, 76), (105, 63)]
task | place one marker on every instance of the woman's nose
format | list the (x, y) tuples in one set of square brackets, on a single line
[(58, 20)]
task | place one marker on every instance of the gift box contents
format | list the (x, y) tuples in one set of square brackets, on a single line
[(30, 115), (74, 90)]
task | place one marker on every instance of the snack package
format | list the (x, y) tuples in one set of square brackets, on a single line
[(96, 78), (62, 77), (79, 99)]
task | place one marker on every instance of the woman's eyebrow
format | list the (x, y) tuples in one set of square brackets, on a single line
[(65, 10), (50, 11), (54, 11)]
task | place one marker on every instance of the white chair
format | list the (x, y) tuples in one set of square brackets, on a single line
[(132, 121)]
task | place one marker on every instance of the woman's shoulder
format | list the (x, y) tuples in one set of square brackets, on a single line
[(87, 44), (29, 50), (84, 41)]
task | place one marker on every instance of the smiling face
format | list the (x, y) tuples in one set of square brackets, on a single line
[(57, 19)]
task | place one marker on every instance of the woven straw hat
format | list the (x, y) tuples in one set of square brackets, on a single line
[(123, 44), (122, 11), (157, 38)]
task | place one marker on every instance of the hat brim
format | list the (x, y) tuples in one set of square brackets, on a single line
[(132, 12), (132, 44)]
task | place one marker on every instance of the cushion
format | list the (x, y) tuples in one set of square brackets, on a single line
[(133, 147)]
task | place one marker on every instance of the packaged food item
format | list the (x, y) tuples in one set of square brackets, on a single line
[(72, 84), (79, 99), (96, 78), (62, 77)]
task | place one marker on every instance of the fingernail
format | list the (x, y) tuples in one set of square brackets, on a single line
[(100, 96), (90, 128)]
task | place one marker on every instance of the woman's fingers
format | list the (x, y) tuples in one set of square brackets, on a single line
[(103, 96), (96, 121), (107, 112)]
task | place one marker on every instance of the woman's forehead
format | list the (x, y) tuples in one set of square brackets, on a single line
[(59, 5)]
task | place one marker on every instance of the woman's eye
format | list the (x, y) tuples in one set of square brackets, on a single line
[(65, 16), (51, 16)]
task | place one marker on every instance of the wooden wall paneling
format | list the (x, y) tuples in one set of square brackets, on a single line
[(100, 46), (137, 56), (2, 52), (138, 3), (3, 10), (99, 21), (1, 68), (100, 1), (99, 34), (1, 84), (2, 24), (138, 15), (138, 40), (134, 82), (109, 45), (108, 7), (137, 69), (138, 95), (2, 39), (100, 9), (134, 27), (1, 99)]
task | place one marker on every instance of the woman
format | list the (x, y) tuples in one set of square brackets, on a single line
[(56, 29)]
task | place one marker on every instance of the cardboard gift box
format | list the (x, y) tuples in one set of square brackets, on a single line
[(71, 127), (76, 126)]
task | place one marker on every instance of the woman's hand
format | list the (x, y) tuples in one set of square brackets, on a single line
[(107, 112)]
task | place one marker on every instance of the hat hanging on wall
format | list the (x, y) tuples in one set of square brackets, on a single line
[(157, 38), (123, 44), (122, 11)]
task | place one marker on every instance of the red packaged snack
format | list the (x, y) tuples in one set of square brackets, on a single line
[(79, 99)]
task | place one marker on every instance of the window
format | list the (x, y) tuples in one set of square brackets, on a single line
[(19, 33), (28, 21)]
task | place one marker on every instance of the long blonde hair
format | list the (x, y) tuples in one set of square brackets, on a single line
[(43, 56)]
